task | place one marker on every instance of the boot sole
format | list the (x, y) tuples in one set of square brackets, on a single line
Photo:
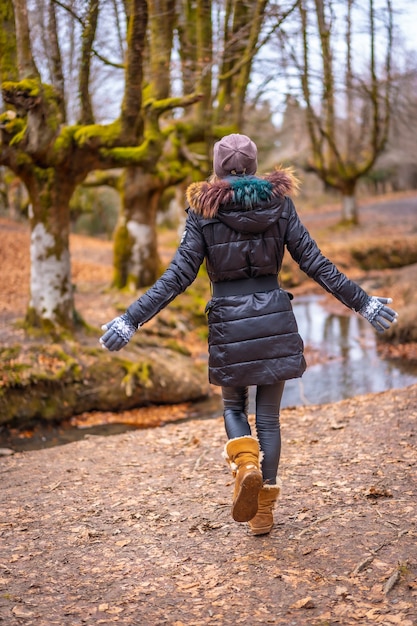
[(245, 505)]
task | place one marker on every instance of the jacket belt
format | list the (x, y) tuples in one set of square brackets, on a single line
[(244, 286)]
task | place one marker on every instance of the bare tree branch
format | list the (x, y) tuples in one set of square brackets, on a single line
[(57, 71), (95, 52), (25, 61), (136, 40), (250, 54)]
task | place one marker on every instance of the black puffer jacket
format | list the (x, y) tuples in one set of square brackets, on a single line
[(241, 227)]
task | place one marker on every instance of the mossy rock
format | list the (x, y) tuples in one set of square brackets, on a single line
[(386, 253), (54, 382)]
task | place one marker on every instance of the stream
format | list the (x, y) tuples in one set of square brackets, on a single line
[(352, 367)]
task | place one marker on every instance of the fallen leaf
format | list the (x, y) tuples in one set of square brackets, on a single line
[(304, 603), (21, 612), (378, 492), (114, 610), (395, 619), (123, 542), (392, 581), (341, 591)]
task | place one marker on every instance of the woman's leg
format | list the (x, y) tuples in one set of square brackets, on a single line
[(268, 402), (235, 403), (242, 454)]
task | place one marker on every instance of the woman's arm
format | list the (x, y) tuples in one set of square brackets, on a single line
[(305, 251), (307, 254), (178, 276)]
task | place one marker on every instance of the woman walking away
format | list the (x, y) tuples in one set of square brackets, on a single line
[(240, 224)]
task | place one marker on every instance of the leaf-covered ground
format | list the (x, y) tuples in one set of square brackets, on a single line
[(136, 529)]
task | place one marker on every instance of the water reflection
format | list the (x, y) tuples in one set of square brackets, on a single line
[(353, 367)]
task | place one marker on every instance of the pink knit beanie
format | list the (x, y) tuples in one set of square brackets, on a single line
[(235, 154)]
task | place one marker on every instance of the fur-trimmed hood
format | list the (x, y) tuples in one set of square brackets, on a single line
[(235, 193)]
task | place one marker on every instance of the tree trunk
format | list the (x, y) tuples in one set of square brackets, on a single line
[(8, 49), (136, 259), (25, 62), (349, 208), (51, 289), (88, 35)]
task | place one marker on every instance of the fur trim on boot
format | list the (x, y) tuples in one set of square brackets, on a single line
[(263, 521), (242, 454)]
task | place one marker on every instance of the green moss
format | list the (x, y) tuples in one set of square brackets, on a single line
[(49, 93), (31, 92), (37, 327), (197, 305), (8, 52), (220, 131), (45, 175), (137, 372), (18, 137), (46, 381), (106, 134), (135, 155), (123, 243), (30, 87), (64, 140), (174, 169), (147, 152), (23, 160), (46, 364), (202, 333), (11, 124), (147, 92)]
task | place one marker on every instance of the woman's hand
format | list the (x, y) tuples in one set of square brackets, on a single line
[(380, 316), (119, 332)]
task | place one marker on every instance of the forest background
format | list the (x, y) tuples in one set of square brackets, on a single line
[(111, 108)]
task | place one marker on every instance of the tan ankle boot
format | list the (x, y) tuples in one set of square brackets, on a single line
[(263, 521), (242, 455)]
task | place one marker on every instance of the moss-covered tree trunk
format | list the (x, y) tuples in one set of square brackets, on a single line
[(28, 147), (8, 52), (51, 289), (136, 259)]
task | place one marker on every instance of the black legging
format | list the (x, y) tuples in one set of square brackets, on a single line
[(268, 401)]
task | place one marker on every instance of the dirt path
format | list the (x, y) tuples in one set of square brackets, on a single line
[(135, 528)]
